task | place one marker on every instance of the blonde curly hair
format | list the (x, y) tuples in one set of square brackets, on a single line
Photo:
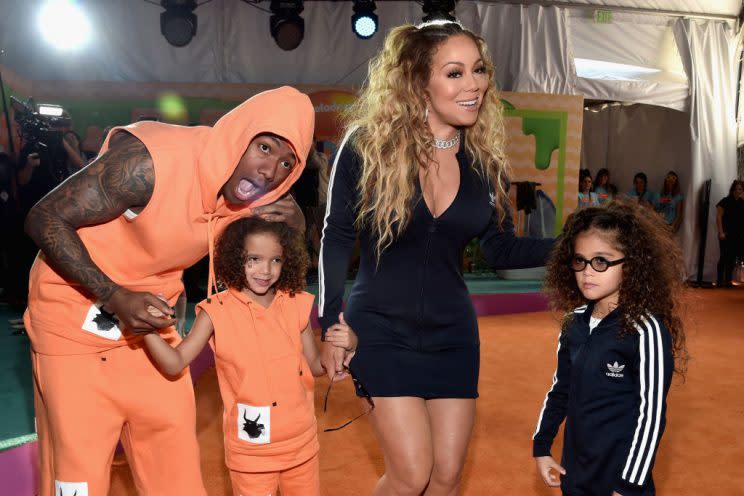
[(393, 138)]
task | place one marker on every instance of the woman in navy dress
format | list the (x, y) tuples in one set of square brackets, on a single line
[(420, 173)]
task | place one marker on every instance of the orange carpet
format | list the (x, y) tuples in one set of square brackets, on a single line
[(700, 452)]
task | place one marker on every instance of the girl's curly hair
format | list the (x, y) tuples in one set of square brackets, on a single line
[(230, 257), (652, 274)]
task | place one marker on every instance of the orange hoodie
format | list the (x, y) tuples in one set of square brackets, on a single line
[(174, 230), (265, 381)]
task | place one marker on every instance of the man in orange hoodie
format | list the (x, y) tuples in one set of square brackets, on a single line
[(115, 239)]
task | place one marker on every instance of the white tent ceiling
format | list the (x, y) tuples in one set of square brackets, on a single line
[(704, 7), (233, 42)]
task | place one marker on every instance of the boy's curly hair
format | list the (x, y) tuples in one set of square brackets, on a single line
[(230, 257), (653, 271)]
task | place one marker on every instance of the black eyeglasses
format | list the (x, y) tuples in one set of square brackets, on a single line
[(600, 264), (360, 388)]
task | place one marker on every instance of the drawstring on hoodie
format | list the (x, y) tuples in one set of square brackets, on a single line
[(212, 279)]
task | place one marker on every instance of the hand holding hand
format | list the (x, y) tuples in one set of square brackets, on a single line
[(140, 312), (285, 209), (332, 358), (342, 335), (545, 466)]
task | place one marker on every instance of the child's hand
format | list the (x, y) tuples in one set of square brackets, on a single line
[(341, 335), (154, 311), (544, 466)]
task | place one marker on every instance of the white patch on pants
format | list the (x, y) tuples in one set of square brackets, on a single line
[(91, 325), (254, 423), (70, 488)]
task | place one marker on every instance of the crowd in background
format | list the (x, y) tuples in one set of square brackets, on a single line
[(668, 202)]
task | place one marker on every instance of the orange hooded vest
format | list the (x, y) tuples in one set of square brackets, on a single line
[(265, 381), (178, 225)]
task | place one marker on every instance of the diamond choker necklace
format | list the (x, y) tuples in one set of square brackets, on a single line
[(447, 144)]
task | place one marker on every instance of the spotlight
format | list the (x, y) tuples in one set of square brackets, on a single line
[(64, 24), (364, 20), (286, 25), (438, 10), (178, 22)]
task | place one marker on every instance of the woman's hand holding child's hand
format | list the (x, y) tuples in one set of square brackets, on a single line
[(545, 464)]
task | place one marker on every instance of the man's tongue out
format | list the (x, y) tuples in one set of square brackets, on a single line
[(246, 190)]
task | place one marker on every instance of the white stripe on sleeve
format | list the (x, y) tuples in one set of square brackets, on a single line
[(321, 278), (642, 407), (545, 403), (652, 394)]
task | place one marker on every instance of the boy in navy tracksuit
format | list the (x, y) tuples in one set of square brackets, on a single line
[(615, 352)]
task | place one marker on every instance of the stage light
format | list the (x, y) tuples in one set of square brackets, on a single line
[(438, 10), (364, 19), (178, 22), (286, 26), (63, 24)]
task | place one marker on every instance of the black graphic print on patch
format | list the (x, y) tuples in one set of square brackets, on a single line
[(63, 494), (105, 321), (252, 427)]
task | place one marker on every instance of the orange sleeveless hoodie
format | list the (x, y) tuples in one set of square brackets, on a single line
[(265, 381), (175, 229)]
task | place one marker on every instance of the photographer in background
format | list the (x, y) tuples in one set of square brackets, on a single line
[(76, 159), (49, 155), (9, 226)]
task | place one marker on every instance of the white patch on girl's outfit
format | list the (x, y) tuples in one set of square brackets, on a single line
[(254, 423), (70, 488)]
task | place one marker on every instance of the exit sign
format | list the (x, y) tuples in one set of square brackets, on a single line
[(603, 16)]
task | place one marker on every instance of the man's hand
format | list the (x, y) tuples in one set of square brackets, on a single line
[(285, 209), (140, 312), (333, 359), (545, 466)]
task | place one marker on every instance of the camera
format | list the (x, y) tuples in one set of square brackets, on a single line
[(41, 128)]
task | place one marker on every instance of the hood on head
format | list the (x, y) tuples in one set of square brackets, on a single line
[(284, 111)]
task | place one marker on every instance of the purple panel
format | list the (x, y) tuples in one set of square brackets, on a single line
[(498, 304), (19, 474)]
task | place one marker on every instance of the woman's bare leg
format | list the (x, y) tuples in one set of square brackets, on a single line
[(451, 423), (401, 425)]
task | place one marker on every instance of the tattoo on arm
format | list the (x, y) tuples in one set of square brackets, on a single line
[(121, 179)]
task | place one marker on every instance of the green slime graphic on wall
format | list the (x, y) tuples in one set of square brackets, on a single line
[(549, 129)]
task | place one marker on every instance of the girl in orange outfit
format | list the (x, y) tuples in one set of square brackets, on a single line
[(265, 355)]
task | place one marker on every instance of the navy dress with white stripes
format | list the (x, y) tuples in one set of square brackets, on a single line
[(612, 393), (417, 328)]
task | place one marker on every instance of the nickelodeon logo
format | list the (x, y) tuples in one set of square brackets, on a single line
[(329, 106)]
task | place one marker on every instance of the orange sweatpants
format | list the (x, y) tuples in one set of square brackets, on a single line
[(86, 403), (302, 480)]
